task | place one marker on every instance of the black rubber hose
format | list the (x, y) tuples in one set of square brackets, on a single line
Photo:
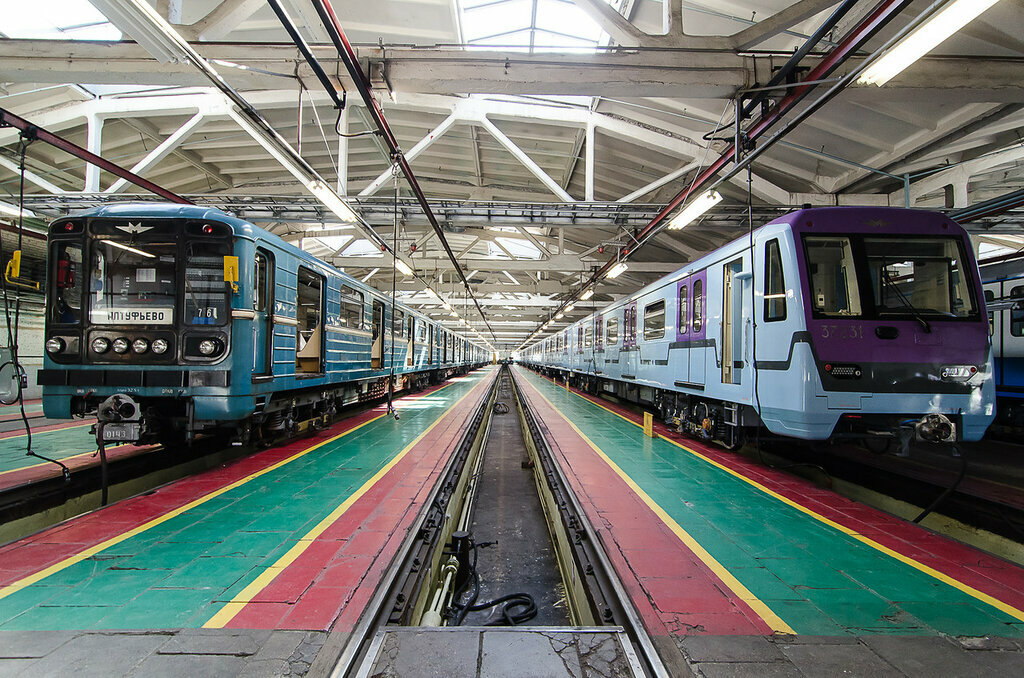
[(948, 491)]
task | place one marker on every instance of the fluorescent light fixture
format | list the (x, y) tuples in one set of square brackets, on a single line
[(695, 209), (454, 314), (589, 292), (617, 270), (447, 306), (130, 249), (948, 21), (12, 210), (329, 198), (559, 316), (402, 267), (569, 308)]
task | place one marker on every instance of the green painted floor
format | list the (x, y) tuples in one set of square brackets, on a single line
[(58, 444), (182, 571), (817, 579)]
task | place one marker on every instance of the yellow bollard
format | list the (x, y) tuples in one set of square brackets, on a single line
[(648, 424)]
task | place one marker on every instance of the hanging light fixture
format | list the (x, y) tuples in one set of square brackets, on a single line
[(587, 293), (695, 209), (617, 270), (945, 23)]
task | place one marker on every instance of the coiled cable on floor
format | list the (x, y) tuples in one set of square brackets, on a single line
[(501, 408), (511, 602)]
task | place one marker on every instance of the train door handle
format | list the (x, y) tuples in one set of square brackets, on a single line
[(886, 332)]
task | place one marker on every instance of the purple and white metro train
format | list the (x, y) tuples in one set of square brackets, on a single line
[(827, 323)]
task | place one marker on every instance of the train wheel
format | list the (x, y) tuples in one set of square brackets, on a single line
[(877, 444)]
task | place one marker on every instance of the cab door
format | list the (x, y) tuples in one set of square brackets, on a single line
[(377, 351), (263, 307)]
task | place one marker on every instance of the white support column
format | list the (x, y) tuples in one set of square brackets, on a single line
[(526, 160), (421, 146), (343, 154), (161, 151), (94, 135), (588, 191), (31, 177)]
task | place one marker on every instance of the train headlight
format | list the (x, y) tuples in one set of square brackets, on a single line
[(159, 346), (55, 345), (208, 347), (100, 344), (120, 345), (140, 345)]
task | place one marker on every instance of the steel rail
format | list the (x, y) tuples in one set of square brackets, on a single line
[(362, 82), (30, 131)]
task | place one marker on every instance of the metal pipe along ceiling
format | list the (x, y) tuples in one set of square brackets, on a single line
[(362, 82), (881, 15)]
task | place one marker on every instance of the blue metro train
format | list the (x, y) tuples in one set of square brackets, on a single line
[(864, 323), (1004, 293), (188, 320)]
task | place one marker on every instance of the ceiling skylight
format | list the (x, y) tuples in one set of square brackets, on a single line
[(58, 20), (531, 25)]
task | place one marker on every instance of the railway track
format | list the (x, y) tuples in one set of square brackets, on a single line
[(425, 607)]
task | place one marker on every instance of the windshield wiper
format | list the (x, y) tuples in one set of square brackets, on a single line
[(888, 282)]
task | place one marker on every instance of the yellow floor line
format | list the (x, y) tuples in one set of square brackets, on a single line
[(774, 622), (246, 595), (921, 567), (113, 541)]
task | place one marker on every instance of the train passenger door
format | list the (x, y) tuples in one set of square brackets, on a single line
[(430, 345), (630, 354), (410, 347), (732, 322), (377, 350), (309, 330), (262, 322), (679, 358), (698, 328)]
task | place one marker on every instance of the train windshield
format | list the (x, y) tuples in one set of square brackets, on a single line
[(888, 277), (132, 284), (922, 275)]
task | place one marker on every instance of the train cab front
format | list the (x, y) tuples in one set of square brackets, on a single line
[(138, 310), (897, 326)]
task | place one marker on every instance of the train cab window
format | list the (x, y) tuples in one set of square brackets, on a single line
[(351, 308), (684, 309), (774, 283), (260, 291), (136, 284), (206, 292), (918, 276), (66, 304), (697, 317), (612, 332), (834, 290), (308, 315), (654, 320)]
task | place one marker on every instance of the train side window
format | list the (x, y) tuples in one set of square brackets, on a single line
[(398, 323), (351, 308), (588, 337), (697, 317), (1017, 322), (309, 330), (774, 283), (612, 332), (654, 320), (684, 309), (990, 295)]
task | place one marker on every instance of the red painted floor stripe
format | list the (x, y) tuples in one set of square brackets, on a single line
[(665, 580), (329, 585), (987, 573)]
